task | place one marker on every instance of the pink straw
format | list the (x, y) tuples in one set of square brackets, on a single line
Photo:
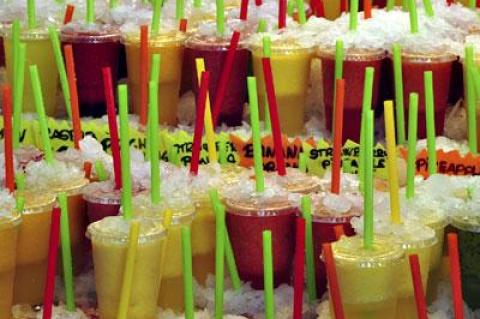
[(455, 275), (338, 136), (299, 275), (199, 120), (418, 287), (8, 138), (282, 14), (244, 10)]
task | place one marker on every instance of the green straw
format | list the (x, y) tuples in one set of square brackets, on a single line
[(353, 15), (31, 14), (90, 17), (66, 253), (154, 147), (262, 25), (412, 143), (157, 12), (267, 47), (257, 143), (20, 181), (412, 9), (430, 114), (368, 183), (366, 106), (338, 74), (100, 169), (427, 4), (472, 4), (306, 205), (19, 204), (180, 9), (470, 99), (268, 275), (18, 94), (220, 17), (302, 162), (113, 3), (390, 4), (399, 106), (62, 72), (290, 8), (197, 3), (155, 68), (302, 18), (476, 81), (125, 152), (187, 272), (219, 260), (42, 118)]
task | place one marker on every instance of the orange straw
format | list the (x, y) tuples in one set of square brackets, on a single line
[(338, 136), (8, 138), (335, 296), (367, 9), (418, 287), (143, 74), (183, 25), (87, 169), (339, 231), (455, 275), (68, 14), (72, 84)]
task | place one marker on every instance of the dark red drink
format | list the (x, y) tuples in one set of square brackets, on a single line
[(2, 53), (94, 47), (246, 221), (354, 64), (413, 67)]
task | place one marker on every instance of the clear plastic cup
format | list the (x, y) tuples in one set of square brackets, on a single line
[(297, 182)]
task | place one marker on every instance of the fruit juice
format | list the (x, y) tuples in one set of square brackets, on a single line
[(291, 73), (354, 64), (214, 52), (413, 67), (38, 52), (94, 47), (247, 218), (32, 248), (110, 238), (367, 277), (2, 53), (170, 47)]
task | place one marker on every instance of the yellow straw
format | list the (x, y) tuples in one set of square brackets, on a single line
[(392, 162), (128, 271), (209, 131), (167, 222)]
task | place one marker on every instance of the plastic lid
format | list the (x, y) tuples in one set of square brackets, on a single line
[(89, 33), (466, 223), (102, 193), (28, 34), (183, 210), (297, 182), (333, 208), (164, 38), (37, 202), (353, 54), (427, 57), (259, 205)]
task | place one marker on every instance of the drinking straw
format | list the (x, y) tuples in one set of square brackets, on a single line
[(244, 10), (125, 152), (157, 11), (155, 68), (472, 4), (20, 204), (62, 73), (290, 8), (412, 9), (282, 14), (338, 70), (470, 99), (225, 76), (87, 169), (113, 3), (306, 205), (366, 106), (368, 183), (197, 3), (179, 9), (299, 274), (128, 270), (258, 2), (220, 17), (272, 104), (268, 275), (31, 15), (7, 138), (390, 5), (166, 223), (143, 74), (209, 131), (392, 162), (430, 114), (262, 26), (90, 13), (333, 286), (154, 147), (20, 181), (343, 5), (257, 143), (19, 82), (187, 272), (338, 136), (219, 260), (353, 15), (42, 118), (339, 231), (112, 125), (427, 4), (198, 130), (267, 52), (367, 9), (476, 81), (66, 252), (418, 287), (70, 9), (412, 144), (100, 169), (399, 108), (183, 25), (302, 162), (455, 275), (72, 85), (302, 18), (53, 243)]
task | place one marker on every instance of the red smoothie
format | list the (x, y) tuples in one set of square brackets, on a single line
[(2, 53), (354, 64)]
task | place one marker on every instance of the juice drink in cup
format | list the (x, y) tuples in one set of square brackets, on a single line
[(32, 248), (354, 64), (39, 52), (297, 182), (94, 47), (110, 244), (291, 73), (170, 46), (414, 64), (367, 277)]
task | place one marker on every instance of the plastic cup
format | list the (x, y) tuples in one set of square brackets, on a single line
[(247, 218), (32, 248), (367, 277), (413, 66), (39, 52), (94, 47), (354, 64), (110, 244), (170, 47), (291, 74), (297, 182)]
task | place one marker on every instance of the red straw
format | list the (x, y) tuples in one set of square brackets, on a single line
[(112, 125), (7, 138), (198, 133), (72, 84), (183, 25), (272, 103), (418, 287), (87, 169), (244, 10), (338, 136), (455, 275), (343, 5), (68, 14), (334, 289), (339, 231), (319, 9), (367, 9), (258, 2), (282, 14), (299, 275), (143, 74), (225, 76), (49, 293)]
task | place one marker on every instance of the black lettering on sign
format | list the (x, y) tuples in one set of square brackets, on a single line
[(421, 163), (314, 154), (292, 151), (164, 156), (380, 163), (63, 135), (248, 150), (142, 143), (326, 163), (268, 151), (231, 158), (185, 160), (269, 166)]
